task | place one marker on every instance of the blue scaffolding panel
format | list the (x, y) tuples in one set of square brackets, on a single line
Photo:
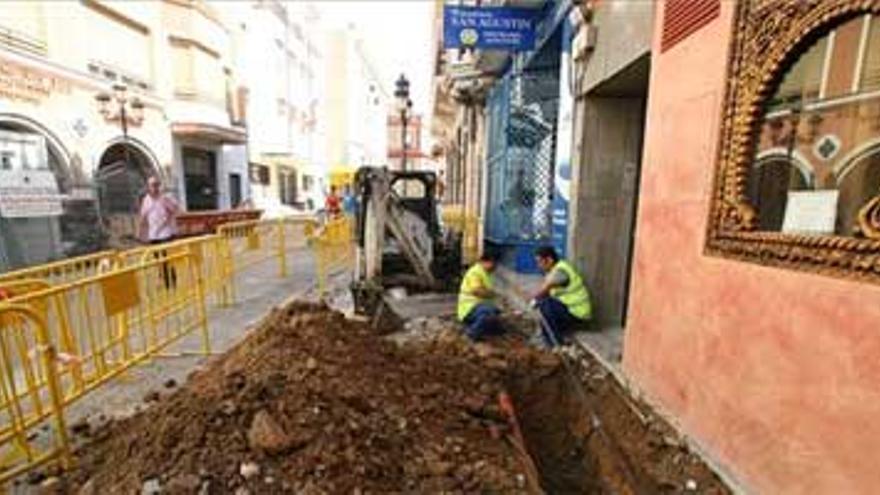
[(523, 110)]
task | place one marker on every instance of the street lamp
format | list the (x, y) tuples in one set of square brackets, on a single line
[(127, 112), (118, 107), (404, 106)]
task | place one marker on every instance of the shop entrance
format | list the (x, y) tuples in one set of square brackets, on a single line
[(200, 176), (612, 118), (121, 181)]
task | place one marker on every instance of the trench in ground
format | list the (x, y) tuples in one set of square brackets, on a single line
[(586, 435)]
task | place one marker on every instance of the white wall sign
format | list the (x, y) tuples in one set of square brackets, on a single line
[(810, 212)]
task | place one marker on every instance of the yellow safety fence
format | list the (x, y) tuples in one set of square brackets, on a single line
[(252, 242), (455, 218), (211, 255), (333, 246), (66, 270), (69, 327), (58, 343)]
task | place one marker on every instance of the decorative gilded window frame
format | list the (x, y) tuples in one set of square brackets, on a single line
[(766, 34)]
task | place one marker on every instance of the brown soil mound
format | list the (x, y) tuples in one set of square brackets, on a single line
[(313, 403)]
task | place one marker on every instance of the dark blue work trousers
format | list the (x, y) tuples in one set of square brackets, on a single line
[(556, 320), (482, 321)]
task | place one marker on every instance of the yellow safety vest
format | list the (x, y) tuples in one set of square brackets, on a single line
[(574, 296), (476, 277)]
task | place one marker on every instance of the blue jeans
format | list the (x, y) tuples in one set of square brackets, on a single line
[(556, 320), (482, 321)]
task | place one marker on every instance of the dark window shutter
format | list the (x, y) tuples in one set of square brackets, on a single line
[(684, 17)]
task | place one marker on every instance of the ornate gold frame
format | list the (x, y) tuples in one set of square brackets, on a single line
[(766, 34)]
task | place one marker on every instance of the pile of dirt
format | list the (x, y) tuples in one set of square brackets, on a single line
[(314, 403)]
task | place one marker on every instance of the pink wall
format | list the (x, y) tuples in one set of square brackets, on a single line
[(775, 372)]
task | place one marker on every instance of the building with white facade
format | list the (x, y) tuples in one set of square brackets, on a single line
[(279, 56), (357, 100), (174, 59)]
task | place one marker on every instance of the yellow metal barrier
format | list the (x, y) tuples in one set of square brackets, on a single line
[(333, 246), (252, 242), (69, 327), (93, 330), (66, 270), (210, 255), (456, 219), (30, 392)]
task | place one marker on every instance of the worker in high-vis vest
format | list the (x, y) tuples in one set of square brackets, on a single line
[(563, 300), (476, 307)]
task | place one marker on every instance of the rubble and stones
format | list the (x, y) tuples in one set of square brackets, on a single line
[(318, 404), (314, 403)]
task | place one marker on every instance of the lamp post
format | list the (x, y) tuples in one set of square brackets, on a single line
[(404, 106), (127, 111)]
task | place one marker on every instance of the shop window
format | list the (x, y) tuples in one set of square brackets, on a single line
[(802, 83), (819, 181), (870, 77), (772, 179), (799, 161), (308, 183)]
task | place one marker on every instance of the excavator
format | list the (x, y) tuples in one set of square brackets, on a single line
[(402, 246)]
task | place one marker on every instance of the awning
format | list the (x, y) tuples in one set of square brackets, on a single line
[(210, 132)]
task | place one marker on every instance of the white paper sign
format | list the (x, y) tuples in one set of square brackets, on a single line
[(810, 212)]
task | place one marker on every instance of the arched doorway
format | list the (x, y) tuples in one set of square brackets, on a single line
[(121, 178), (32, 160), (58, 159), (769, 184)]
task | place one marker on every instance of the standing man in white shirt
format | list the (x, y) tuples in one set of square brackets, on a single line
[(158, 222)]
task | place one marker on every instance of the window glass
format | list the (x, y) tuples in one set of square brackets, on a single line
[(817, 158), (803, 81), (871, 70)]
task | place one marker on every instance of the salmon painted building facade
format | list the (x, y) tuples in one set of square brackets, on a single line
[(754, 306)]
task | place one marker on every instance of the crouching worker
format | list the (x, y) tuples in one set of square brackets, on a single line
[(476, 310), (563, 300)]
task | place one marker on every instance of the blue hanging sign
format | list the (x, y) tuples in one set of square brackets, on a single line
[(489, 28)]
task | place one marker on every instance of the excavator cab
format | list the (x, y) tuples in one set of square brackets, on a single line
[(401, 242)]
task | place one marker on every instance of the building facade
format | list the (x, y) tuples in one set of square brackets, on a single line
[(754, 296), (173, 57), (416, 158), (357, 103), (285, 150)]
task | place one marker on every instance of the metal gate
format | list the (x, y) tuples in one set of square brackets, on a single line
[(523, 110)]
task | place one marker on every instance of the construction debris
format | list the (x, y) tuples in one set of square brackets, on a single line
[(314, 403)]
